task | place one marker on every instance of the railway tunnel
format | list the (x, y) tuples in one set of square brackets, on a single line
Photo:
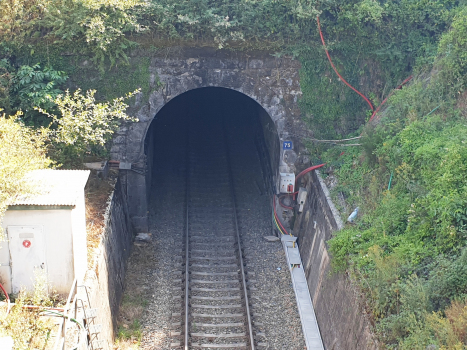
[(197, 116), (186, 131), (211, 156)]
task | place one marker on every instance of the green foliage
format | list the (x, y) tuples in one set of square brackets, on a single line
[(96, 27), (129, 330), (416, 227), (448, 280), (377, 39), (36, 87), (407, 247), (18, 19), (28, 328), (84, 123), (453, 49), (450, 331), (260, 23), (117, 81), (106, 23), (133, 331), (365, 37), (6, 82), (22, 149), (409, 321)]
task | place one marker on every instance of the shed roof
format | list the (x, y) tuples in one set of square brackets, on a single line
[(54, 187)]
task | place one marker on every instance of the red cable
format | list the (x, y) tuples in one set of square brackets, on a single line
[(335, 70), (384, 101), (4, 292), (307, 170), (282, 204), (275, 214)]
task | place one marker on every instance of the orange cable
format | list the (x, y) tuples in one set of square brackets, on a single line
[(335, 70)]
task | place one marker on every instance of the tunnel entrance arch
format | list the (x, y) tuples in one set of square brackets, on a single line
[(206, 106), (273, 83), (241, 116)]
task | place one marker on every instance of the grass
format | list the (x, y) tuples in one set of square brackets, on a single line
[(135, 298), (28, 328), (129, 322), (97, 193)]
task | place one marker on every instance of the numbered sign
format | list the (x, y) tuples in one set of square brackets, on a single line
[(287, 145)]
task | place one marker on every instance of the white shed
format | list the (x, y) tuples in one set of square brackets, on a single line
[(46, 233)]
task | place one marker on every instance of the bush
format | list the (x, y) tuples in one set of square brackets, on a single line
[(28, 327), (453, 51), (36, 87), (84, 125), (22, 149), (407, 247), (448, 280)]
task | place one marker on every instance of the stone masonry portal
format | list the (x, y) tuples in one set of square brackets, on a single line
[(272, 82)]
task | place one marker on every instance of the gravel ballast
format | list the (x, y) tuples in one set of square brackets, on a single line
[(275, 316)]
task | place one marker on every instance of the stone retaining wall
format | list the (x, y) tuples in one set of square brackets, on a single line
[(338, 306), (272, 82), (104, 282)]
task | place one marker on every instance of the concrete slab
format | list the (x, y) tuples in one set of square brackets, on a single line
[(305, 305)]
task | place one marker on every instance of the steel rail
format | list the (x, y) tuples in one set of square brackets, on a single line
[(237, 238), (240, 255), (187, 241)]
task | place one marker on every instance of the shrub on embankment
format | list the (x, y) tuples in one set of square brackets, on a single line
[(407, 249), (375, 44)]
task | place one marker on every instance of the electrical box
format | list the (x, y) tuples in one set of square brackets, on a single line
[(301, 198), (124, 166), (28, 255), (46, 233), (287, 183)]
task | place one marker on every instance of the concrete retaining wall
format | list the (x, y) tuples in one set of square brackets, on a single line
[(338, 306), (105, 281)]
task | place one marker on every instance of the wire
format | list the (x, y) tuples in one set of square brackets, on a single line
[(350, 86), (275, 222), (332, 141), (282, 204), (284, 231), (384, 101), (64, 316), (335, 69), (7, 299), (277, 225), (307, 170)]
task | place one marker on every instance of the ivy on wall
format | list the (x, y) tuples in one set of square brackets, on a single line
[(407, 248), (367, 38)]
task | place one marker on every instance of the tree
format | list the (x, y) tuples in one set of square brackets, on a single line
[(22, 149), (36, 87), (84, 124)]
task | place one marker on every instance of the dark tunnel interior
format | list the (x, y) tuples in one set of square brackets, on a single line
[(217, 118), (211, 153)]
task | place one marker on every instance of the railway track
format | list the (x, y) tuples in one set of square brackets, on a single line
[(215, 312)]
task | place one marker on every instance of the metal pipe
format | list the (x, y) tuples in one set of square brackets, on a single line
[(62, 329)]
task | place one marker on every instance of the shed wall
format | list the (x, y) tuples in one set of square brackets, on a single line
[(57, 229), (80, 252)]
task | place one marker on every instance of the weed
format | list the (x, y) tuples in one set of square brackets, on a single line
[(27, 327)]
